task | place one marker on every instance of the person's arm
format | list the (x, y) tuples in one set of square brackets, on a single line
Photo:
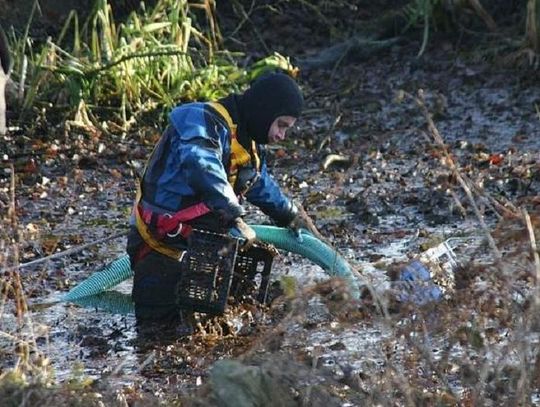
[(267, 195), (198, 153)]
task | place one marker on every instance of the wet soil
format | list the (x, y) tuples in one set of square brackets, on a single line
[(389, 199)]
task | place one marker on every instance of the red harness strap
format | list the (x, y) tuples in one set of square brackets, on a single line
[(169, 225)]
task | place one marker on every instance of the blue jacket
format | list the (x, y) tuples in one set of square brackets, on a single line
[(191, 162)]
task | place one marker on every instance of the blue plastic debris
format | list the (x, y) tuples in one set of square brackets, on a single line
[(416, 285)]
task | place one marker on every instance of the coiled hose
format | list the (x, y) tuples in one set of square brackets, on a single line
[(108, 277), (311, 248), (111, 301), (305, 245)]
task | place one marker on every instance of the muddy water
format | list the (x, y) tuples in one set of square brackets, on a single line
[(388, 206), (106, 341)]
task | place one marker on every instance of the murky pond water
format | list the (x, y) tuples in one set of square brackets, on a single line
[(389, 205), (102, 336)]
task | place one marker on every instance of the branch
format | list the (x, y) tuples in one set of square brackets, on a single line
[(246, 17), (5, 68), (118, 61), (534, 251), (68, 252), (531, 26), (420, 101), (483, 14)]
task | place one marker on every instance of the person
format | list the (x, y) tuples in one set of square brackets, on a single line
[(208, 160)]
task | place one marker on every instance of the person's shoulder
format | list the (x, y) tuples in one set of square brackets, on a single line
[(196, 119), (191, 112), (189, 107), (198, 108)]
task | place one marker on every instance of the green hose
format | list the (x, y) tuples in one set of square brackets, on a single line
[(310, 247), (305, 244), (111, 301), (108, 277)]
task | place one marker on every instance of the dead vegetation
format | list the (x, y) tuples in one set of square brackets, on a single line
[(313, 346)]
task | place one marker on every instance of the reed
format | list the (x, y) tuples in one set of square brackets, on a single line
[(155, 59)]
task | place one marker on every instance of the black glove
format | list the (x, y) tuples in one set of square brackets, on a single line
[(242, 230)]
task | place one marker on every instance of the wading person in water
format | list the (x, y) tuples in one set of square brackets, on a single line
[(210, 158)]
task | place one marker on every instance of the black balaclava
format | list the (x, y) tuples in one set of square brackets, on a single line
[(268, 97)]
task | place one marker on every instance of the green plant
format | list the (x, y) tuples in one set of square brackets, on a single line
[(145, 62), (157, 57), (423, 12)]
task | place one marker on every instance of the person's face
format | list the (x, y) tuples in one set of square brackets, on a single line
[(279, 127)]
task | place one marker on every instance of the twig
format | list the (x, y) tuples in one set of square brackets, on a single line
[(12, 216), (534, 251), (425, 36), (513, 211), (20, 87), (458, 203), (8, 336), (531, 26), (246, 17), (209, 6), (145, 362), (420, 101), (5, 70), (339, 60), (12, 213), (488, 200), (315, 355), (172, 52), (328, 136), (483, 14), (69, 251), (427, 352), (310, 224), (320, 15)]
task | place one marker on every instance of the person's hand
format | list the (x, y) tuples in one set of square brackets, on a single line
[(242, 230)]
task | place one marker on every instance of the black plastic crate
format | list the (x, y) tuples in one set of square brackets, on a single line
[(207, 270), (213, 268), (252, 273)]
